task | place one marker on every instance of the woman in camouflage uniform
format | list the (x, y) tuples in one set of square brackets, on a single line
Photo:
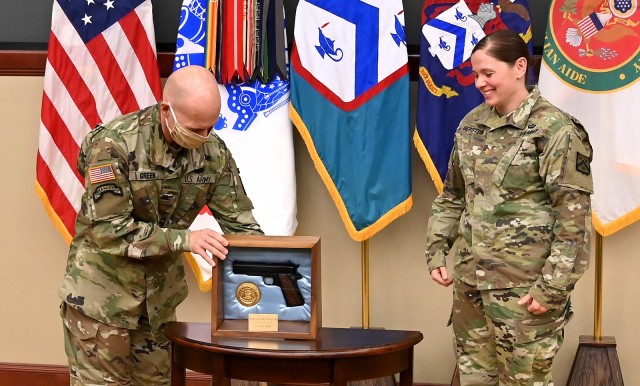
[(516, 201)]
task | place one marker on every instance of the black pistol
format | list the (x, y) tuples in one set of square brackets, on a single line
[(284, 275)]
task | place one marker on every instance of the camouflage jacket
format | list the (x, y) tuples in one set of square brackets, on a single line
[(517, 201), (140, 198)]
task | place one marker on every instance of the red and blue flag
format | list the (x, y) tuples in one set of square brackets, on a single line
[(446, 91)]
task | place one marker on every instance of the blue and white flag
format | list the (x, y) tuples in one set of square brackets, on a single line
[(350, 103), (192, 34), (446, 90), (254, 123)]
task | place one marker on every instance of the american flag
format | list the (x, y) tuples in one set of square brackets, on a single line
[(101, 64), (101, 173)]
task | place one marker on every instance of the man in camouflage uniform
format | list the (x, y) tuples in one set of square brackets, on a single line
[(147, 176), (516, 201)]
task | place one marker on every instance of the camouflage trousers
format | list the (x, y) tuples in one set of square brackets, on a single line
[(498, 342), (100, 354)]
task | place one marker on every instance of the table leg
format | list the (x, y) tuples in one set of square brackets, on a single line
[(219, 375), (406, 376), (178, 374), (340, 369), (220, 381)]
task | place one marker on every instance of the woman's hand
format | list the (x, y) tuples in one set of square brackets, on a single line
[(532, 305), (440, 276)]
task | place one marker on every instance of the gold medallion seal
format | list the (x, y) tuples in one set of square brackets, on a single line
[(248, 294)]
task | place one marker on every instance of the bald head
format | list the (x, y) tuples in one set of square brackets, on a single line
[(193, 93)]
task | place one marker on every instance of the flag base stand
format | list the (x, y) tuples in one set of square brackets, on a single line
[(596, 363)]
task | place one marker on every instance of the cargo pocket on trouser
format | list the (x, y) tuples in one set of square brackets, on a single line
[(538, 339), (98, 353), (541, 326)]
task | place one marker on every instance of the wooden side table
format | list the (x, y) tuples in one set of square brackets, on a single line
[(338, 355)]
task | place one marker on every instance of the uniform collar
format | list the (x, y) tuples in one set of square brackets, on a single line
[(517, 118)]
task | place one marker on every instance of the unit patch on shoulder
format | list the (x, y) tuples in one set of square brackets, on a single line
[(107, 188), (582, 164), (101, 173)]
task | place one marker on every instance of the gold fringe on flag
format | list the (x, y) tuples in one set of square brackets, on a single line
[(57, 222), (428, 162)]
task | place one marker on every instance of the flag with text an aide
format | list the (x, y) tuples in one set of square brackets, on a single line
[(101, 63), (591, 70), (254, 121), (446, 90), (350, 103)]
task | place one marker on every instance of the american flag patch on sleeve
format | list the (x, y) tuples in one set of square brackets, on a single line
[(101, 173)]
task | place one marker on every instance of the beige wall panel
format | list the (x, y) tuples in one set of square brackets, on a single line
[(401, 294)]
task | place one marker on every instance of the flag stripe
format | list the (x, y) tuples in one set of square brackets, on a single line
[(146, 63), (211, 47), (148, 56), (588, 26), (129, 65), (58, 201), (64, 173), (72, 81), (64, 141), (68, 107), (112, 74), (80, 58), (117, 42)]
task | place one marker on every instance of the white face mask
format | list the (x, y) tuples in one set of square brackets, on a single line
[(183, 136)]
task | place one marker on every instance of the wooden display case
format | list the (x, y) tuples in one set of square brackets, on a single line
[(229, 309)]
